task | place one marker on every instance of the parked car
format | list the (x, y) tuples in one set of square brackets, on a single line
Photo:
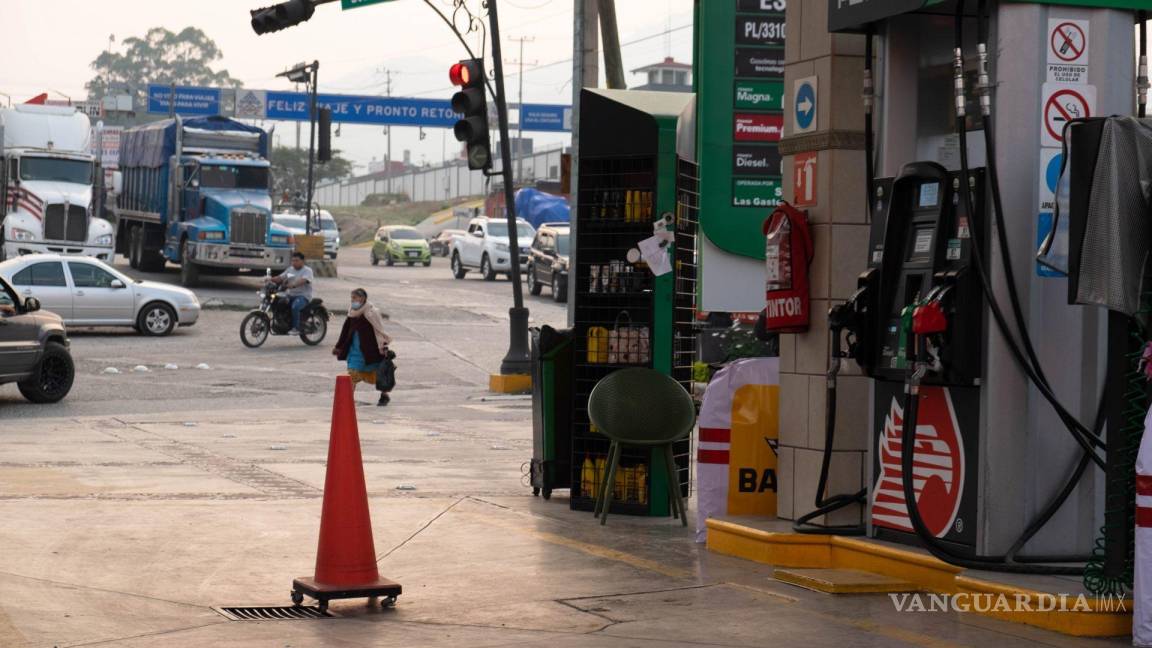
[(295, 223), (33, 349), (89, 292), (400, 243), (548, 260), (485, 246), (441, 244)]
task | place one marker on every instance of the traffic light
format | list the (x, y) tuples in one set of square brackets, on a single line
[(324, 138), (281, 16), (472, 102)]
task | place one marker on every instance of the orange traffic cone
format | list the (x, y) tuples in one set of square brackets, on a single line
[(345, 553)]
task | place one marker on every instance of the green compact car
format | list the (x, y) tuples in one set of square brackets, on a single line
[(400, 244)]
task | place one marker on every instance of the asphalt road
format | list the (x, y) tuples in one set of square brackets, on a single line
[(450, 335)]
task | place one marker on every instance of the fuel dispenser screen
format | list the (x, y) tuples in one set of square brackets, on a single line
[(929, 194)]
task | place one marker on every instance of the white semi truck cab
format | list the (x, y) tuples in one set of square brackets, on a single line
[(47, 173)]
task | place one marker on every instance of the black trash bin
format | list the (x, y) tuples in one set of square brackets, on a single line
[(551, 410)]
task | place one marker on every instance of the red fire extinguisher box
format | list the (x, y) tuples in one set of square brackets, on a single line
[(788, 256)]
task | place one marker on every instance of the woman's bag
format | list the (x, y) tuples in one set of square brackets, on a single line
[(386, 372)]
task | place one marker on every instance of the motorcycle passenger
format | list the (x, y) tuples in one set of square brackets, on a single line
[(297, 280), (363, 342)]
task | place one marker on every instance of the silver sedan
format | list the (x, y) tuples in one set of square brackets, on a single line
[(87, 292)]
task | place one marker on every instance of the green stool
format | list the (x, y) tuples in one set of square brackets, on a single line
[(643, 408)]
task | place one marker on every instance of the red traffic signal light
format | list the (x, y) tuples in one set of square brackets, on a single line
[(471, 102), (466, 73)]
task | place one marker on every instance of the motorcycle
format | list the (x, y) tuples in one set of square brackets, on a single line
[(274, 317)]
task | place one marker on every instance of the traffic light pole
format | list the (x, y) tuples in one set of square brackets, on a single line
[(311, 148), (517, 360)]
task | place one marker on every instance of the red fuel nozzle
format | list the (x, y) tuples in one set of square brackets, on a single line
[(929, 318)]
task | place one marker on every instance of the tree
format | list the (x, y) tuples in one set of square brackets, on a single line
[(290, 170), (161, 56)]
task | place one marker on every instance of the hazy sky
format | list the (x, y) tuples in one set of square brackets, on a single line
[(47, 46)]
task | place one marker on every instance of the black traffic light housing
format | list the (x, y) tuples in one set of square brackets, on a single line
[(324, 137), (472, 102), (281, 16)]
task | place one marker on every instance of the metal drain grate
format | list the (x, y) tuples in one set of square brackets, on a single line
[(273, 613)]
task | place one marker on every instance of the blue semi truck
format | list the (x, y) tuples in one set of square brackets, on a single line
[(196, 192)]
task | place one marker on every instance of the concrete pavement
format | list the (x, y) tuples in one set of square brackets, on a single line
[(145, 500)]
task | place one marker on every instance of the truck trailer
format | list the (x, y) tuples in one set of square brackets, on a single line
[(196, 192), (47, 173)]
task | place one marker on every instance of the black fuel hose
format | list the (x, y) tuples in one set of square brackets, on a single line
[(1079, 432), (824, 506)]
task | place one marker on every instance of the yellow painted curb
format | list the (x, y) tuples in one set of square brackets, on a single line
[(1102, 618), (509, 383)]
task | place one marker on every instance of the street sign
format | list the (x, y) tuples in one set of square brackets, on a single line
[(356, 4), (189, 100), (804, 112), (804, 169), (1061, 103), (546, 117)]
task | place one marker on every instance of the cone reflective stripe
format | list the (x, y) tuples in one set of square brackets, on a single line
[(1142, 590), (738, 418), (345, 554)]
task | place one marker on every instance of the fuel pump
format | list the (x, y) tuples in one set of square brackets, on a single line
[(923, 324)]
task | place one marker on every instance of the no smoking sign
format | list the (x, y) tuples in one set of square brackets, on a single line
[(1062, 103)]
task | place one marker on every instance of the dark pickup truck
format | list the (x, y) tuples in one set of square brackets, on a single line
[(33, 349)]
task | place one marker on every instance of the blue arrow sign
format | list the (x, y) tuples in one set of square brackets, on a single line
[(805, 105)]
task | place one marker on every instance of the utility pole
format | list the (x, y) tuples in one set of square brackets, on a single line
[(388, 129), (520, 100), (613, 63), (585, 74), (296, 87)]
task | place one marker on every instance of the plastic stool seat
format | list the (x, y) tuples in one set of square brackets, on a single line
[(645, 408)]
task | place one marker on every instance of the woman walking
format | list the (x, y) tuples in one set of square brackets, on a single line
[(363, 342)]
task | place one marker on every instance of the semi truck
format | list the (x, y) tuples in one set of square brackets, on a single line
[(196, 192), (47, 173)]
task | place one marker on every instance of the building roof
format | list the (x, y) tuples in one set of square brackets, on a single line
[(667, 64)]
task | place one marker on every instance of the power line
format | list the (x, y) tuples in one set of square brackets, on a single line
[(567, 60)]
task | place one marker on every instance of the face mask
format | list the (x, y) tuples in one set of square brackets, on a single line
[(356, 305)]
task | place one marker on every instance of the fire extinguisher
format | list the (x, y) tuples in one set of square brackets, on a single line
[(788, 255)]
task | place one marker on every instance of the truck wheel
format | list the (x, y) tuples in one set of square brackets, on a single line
[(559, 289), (373, 259), (52, 379), (458, 270), (189, 273), (486, 270), (150, 260), (534, 286), (156, 319)]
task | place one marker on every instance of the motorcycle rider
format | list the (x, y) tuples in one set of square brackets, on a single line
[(297, 281)]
